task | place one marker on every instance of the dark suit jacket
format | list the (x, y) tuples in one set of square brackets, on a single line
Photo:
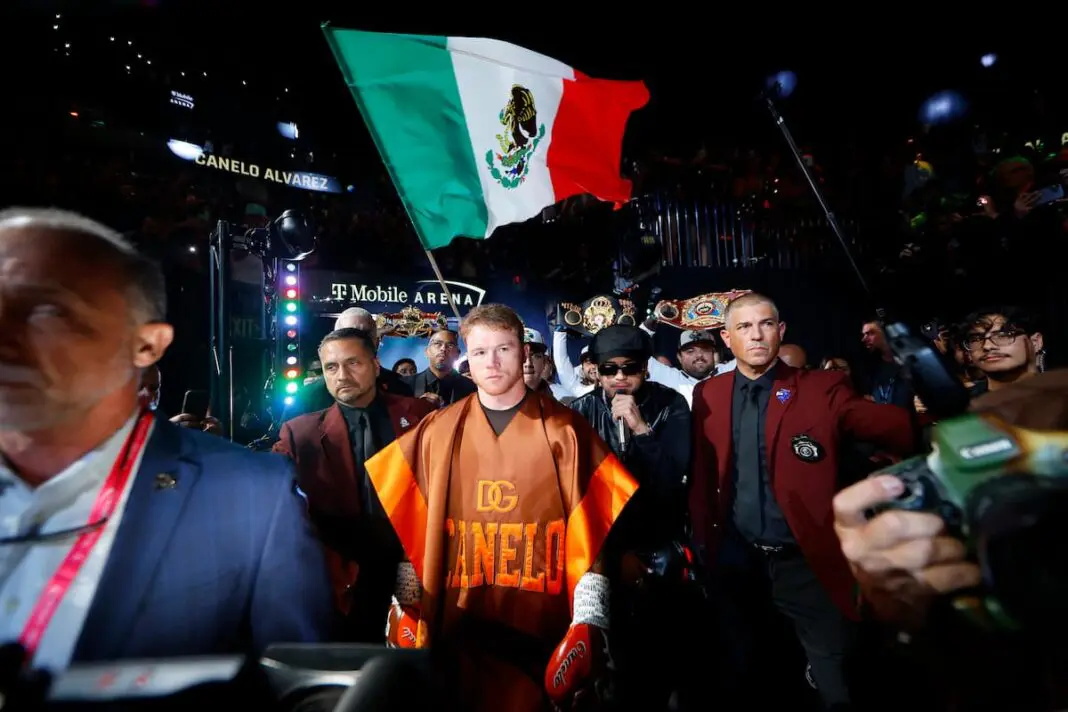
[(318, 443), (819, 404), (461, 386), (223, 561)]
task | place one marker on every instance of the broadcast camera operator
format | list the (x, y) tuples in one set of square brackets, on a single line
[(647, 426), (918, 577)]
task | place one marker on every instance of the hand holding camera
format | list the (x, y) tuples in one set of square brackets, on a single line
[(983, 511), (902, 560)]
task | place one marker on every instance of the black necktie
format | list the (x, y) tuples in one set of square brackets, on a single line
[(749, 443), (363, 447)]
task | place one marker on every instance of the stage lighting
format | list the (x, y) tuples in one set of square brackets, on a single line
[(943, 108), (290, 236), (781, 84), (289, 343)]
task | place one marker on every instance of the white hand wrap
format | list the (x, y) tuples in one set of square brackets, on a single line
[(591, 600), (407, 591)]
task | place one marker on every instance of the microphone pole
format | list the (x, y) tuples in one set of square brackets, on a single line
[(942, 393), (832, 220)]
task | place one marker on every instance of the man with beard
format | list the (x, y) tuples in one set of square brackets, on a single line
[(440, 383), (502, 504), (697, 359)]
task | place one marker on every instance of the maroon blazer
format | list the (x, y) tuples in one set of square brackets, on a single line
[(318, 444), (819, 404)]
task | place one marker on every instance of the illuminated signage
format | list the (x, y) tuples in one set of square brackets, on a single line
[(180, 99), (425, 292), (294, 179)]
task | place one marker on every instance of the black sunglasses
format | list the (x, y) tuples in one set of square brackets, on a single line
[(628, 369)]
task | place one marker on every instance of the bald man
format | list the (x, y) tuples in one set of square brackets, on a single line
[(357, 318), (793, 355)]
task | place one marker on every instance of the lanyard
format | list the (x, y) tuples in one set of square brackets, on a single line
[(104, 506)]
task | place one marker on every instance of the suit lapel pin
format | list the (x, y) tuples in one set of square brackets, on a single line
[(806, 449), (165, 480), (783, 394), (404, 422)]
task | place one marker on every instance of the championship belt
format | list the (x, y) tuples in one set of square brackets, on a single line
[(704, 311), (595, 314), (410, 322)]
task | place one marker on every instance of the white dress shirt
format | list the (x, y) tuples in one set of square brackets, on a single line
[(681, 381), (570, 374), (63, 502)]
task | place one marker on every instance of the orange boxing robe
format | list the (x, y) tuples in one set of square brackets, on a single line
[(499, 530)]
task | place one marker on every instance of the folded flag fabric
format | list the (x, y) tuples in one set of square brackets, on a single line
[(479, 133)]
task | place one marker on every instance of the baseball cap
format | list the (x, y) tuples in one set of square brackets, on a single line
[(533, 336), (535, 339), (696, 337)]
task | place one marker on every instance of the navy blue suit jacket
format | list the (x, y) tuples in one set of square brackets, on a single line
[(214, 555)]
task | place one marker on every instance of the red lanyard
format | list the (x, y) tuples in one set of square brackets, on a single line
[(104, 506)]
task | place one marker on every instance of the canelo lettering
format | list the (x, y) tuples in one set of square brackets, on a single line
[(241, 168), (574, 654), (524, 555)]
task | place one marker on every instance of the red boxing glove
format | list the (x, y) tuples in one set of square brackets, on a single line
[(578, 667), (402, 626)]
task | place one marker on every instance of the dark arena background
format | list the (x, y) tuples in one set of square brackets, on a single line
[(869, 163), (117, 95)]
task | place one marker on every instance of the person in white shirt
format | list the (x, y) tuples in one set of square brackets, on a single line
[(697, 358), (123, 535), (578, 379), (537, 365)]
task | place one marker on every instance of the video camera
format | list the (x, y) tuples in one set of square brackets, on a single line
[(1003, 490)]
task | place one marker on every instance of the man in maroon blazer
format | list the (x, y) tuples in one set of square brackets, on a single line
[(765, 470), (329, 449)]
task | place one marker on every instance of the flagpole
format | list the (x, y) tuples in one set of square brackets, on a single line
[(441, 281)]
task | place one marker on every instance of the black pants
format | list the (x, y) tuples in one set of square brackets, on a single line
[(651, 636), (748, 585)]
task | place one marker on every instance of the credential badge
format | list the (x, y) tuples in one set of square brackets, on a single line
[(806, 449)]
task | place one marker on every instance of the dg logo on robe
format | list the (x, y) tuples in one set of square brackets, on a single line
[(806, 449)]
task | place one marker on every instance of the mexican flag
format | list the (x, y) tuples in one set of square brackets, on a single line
[(478, 133)]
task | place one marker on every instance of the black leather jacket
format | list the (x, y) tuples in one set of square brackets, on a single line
[(659, 460)]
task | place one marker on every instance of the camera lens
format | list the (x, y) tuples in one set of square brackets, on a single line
[(1024, 560)]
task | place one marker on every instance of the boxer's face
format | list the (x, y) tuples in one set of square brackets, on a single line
[(496, 357)]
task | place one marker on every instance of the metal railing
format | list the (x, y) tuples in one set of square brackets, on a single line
[(696, 233)]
